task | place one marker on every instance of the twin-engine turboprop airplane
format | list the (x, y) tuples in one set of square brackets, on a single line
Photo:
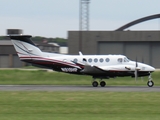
[(97, 66)]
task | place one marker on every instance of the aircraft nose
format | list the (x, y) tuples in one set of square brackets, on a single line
[(151, 69), (148, 68)]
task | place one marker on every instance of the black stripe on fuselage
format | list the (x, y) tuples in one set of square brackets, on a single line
[(101, 74), (23, 38)]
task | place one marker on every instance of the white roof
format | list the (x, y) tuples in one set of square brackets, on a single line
[(54, 44)]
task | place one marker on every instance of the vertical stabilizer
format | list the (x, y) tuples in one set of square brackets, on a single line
[(25, 47)]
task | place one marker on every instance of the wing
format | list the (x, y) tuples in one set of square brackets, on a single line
[(116, 68), (87, 68)]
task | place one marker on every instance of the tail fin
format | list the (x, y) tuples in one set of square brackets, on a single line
[(25, 47)]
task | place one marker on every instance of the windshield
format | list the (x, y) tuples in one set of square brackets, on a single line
[(126, 59)]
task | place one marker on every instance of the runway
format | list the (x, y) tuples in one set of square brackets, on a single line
[(78, 88)]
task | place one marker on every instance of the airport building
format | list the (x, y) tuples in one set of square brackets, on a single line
[(141, 45), (9, 57)]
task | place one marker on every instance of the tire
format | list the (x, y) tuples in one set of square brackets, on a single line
[(103, 83), (94, 83), (150, 83)]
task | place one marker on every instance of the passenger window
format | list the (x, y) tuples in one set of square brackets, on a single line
[(95, 60), (89, 60), (84, 60), (101, 60), (107, 59), (75, 60)]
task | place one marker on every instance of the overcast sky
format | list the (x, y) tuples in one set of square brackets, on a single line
[(54, 18)]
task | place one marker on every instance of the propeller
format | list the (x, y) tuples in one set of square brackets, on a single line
[(142, 62), (136, 71)]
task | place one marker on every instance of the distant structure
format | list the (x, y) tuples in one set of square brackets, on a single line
[(14, 31), (138, 21), (141, 45), (8, 55), (84, 15), (49, 47), (83, 20)]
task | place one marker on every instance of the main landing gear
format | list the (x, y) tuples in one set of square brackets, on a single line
[(95, 83), (150, 83)]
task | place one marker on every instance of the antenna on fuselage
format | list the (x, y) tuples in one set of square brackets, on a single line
[(80, 53), (84, 60)]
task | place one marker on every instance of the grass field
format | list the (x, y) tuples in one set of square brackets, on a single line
[(79, 106), (23, 105), (41, 77)]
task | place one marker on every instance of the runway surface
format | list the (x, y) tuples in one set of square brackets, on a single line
[(78, 88)]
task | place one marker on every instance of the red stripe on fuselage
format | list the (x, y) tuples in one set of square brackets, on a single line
[(48, 60)]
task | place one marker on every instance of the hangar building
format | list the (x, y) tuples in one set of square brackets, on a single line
[(141, 45)]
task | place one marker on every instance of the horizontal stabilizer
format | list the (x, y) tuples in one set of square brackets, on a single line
[(24, 38)]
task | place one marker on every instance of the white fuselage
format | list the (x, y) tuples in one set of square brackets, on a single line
[(107, 62)]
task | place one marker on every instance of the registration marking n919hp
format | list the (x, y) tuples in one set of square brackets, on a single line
[(69, 69)]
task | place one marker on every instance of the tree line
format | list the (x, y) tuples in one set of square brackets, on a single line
[(39, 39)]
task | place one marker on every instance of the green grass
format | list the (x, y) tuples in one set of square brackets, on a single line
[(21, 105), (42, 77), (79, 106)]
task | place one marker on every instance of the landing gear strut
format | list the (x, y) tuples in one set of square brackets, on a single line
[(150, 83)]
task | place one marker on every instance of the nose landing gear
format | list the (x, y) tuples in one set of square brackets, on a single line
[(150, 83)]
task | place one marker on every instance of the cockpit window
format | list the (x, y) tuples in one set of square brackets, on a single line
[(126, 59), (120, 60)]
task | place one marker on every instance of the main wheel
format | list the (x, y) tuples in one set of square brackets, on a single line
[(102, 83), (95, 83), (150, 83)]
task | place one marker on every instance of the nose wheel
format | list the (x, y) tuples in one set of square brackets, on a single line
[(150, 83)]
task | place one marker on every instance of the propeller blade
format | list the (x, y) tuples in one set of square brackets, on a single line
[(135, 72), (136, 63), (142, 60)]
